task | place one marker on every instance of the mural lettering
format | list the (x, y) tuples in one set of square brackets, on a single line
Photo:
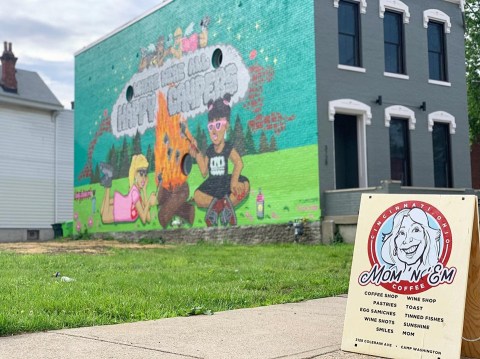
[(187, 82), (132, 116), (192, 93)]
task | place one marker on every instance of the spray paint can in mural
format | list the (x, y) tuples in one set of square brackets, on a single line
[(260, 204)]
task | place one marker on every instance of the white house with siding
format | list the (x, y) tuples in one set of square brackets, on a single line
[(36, 155)]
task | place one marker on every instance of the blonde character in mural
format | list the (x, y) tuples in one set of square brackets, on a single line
[(221, 191), (412, 245), (136, 204)]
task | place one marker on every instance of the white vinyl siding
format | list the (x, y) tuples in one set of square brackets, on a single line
[(27, 182), (64, 170)]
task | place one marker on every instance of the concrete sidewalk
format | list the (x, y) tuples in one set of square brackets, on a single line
[(311, 329)]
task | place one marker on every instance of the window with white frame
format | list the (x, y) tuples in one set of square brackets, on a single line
[(395, 5), (363, 5), (393, 42), (349, 33), (400, 121), (401, 112), (442, 125), (442, 155), (442, 116), (395, 14), (437, 24)]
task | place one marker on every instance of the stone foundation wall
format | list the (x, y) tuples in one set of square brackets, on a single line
[(275, 233)]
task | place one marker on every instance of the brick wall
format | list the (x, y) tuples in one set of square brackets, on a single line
[(137, 87)]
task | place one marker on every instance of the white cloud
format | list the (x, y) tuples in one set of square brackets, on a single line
[(47, 33)]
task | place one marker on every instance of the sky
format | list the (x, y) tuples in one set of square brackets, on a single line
[(45, 34)]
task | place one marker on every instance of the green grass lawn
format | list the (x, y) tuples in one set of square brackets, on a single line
[(132, 285)]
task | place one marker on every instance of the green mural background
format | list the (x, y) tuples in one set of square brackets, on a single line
[(273, 125)]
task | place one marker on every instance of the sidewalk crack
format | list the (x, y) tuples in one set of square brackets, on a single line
[(127, 345)]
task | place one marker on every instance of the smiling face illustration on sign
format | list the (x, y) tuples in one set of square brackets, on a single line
[(409, 246)]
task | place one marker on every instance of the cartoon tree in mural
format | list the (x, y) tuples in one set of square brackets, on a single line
[(273, 144), (137, 144), (264, 146), (238, 138), (150, 159), (113, 161), (249, 142), (230, 133), (202, 142), (124, 160), (95, 178)]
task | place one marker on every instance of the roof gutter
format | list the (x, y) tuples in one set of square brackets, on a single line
[(30, 103)]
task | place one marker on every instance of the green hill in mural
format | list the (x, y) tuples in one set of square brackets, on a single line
[(289, 194)]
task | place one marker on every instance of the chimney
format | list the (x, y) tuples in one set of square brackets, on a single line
[(9, 79)]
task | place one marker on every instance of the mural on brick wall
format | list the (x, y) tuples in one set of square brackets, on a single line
[(186, 136)]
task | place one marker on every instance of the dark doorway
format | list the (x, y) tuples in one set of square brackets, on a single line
[(346, 152)]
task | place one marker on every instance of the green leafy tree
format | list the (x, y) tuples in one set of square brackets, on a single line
[(249, 142), (472, 54)]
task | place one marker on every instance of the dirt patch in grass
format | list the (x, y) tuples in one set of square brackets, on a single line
[(85, 247)]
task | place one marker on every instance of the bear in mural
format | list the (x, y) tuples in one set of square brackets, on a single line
[(221, 191), (136, 204)]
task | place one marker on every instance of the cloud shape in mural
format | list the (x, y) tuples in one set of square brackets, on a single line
[(187, 84)]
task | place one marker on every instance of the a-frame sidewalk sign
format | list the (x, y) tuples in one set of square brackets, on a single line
[(415, 280)]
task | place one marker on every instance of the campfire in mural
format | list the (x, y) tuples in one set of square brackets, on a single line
[(172, 166)]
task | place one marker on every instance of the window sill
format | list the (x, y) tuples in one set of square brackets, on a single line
[(396, 76), (441, 83), (351, 68)]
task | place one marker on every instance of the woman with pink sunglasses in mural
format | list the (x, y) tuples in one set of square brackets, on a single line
[(221, 191)]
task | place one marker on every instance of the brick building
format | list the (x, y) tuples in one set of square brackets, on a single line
[(245, 113)]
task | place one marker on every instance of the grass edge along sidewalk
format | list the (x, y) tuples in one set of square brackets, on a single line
[(121, 285)]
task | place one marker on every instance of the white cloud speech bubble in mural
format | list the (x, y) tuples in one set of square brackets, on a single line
[(187, 84)]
